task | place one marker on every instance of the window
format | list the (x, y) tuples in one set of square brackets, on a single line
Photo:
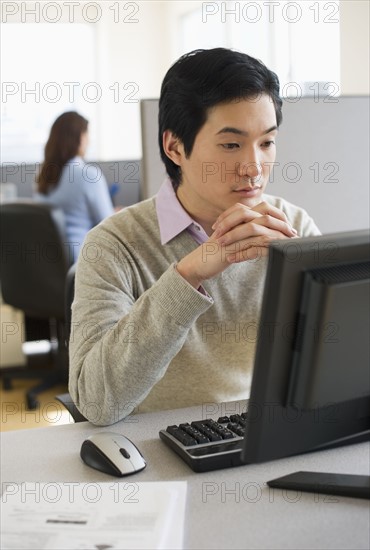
[(46, 70), (298, 40)]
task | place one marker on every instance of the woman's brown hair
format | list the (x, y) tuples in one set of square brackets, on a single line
[(63, 144)]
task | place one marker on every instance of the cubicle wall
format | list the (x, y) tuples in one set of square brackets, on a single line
[(322, 159), (152, 168), (125, 174)]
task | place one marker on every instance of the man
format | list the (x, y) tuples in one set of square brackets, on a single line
[(168, 292)]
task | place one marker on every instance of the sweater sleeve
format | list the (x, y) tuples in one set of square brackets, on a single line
[(122, 344)]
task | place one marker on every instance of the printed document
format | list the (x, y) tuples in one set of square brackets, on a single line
[(93, 516)]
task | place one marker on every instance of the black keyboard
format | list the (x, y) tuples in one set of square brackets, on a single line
[(208, 444)]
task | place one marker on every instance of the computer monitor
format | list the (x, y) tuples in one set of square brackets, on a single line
[(311, 379)]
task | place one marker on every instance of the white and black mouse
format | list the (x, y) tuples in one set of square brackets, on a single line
[(112, 453)]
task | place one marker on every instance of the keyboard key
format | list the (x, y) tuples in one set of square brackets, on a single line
[(213, 436), (203, 426), (235, 418), (239, 419), (193, 432), (214, 425), (226, 434), (223, 420), (220, 429), (234, 427), (181, 436)]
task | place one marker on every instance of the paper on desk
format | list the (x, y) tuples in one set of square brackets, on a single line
[(93, 516)]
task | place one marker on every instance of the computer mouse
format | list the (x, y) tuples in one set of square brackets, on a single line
[(112, 453)]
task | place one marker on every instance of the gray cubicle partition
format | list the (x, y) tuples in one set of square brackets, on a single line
[(322, 161), (125, 174), (152, 168), (22, 175)]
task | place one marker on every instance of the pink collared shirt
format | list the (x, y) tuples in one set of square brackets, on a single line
[(173, 218)]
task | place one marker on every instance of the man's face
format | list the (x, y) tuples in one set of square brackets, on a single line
[(231, 160)]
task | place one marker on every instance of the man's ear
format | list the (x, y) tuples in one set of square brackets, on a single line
[(173, 147)]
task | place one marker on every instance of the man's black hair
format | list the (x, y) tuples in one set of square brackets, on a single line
[(202, 79)]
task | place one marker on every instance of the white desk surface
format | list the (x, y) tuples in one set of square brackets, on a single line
[(231, 508)]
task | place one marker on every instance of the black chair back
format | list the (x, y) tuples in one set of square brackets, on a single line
[(69, 296), (34, 265), (34, 258), (65, 398)]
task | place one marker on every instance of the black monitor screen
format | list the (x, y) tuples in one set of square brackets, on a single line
[(311, 380)]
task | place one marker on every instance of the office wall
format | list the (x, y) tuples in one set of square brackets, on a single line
[(354, 47), (132, 59), (322, 159)]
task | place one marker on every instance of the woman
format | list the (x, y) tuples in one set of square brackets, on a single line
[(67, 181)]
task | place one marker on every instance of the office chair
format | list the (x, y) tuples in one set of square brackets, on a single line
[(65, 398), (34, 265)]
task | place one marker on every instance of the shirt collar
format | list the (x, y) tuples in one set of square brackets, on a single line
[(173, 218)]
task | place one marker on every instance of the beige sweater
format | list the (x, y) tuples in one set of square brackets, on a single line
[(143, 338)]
